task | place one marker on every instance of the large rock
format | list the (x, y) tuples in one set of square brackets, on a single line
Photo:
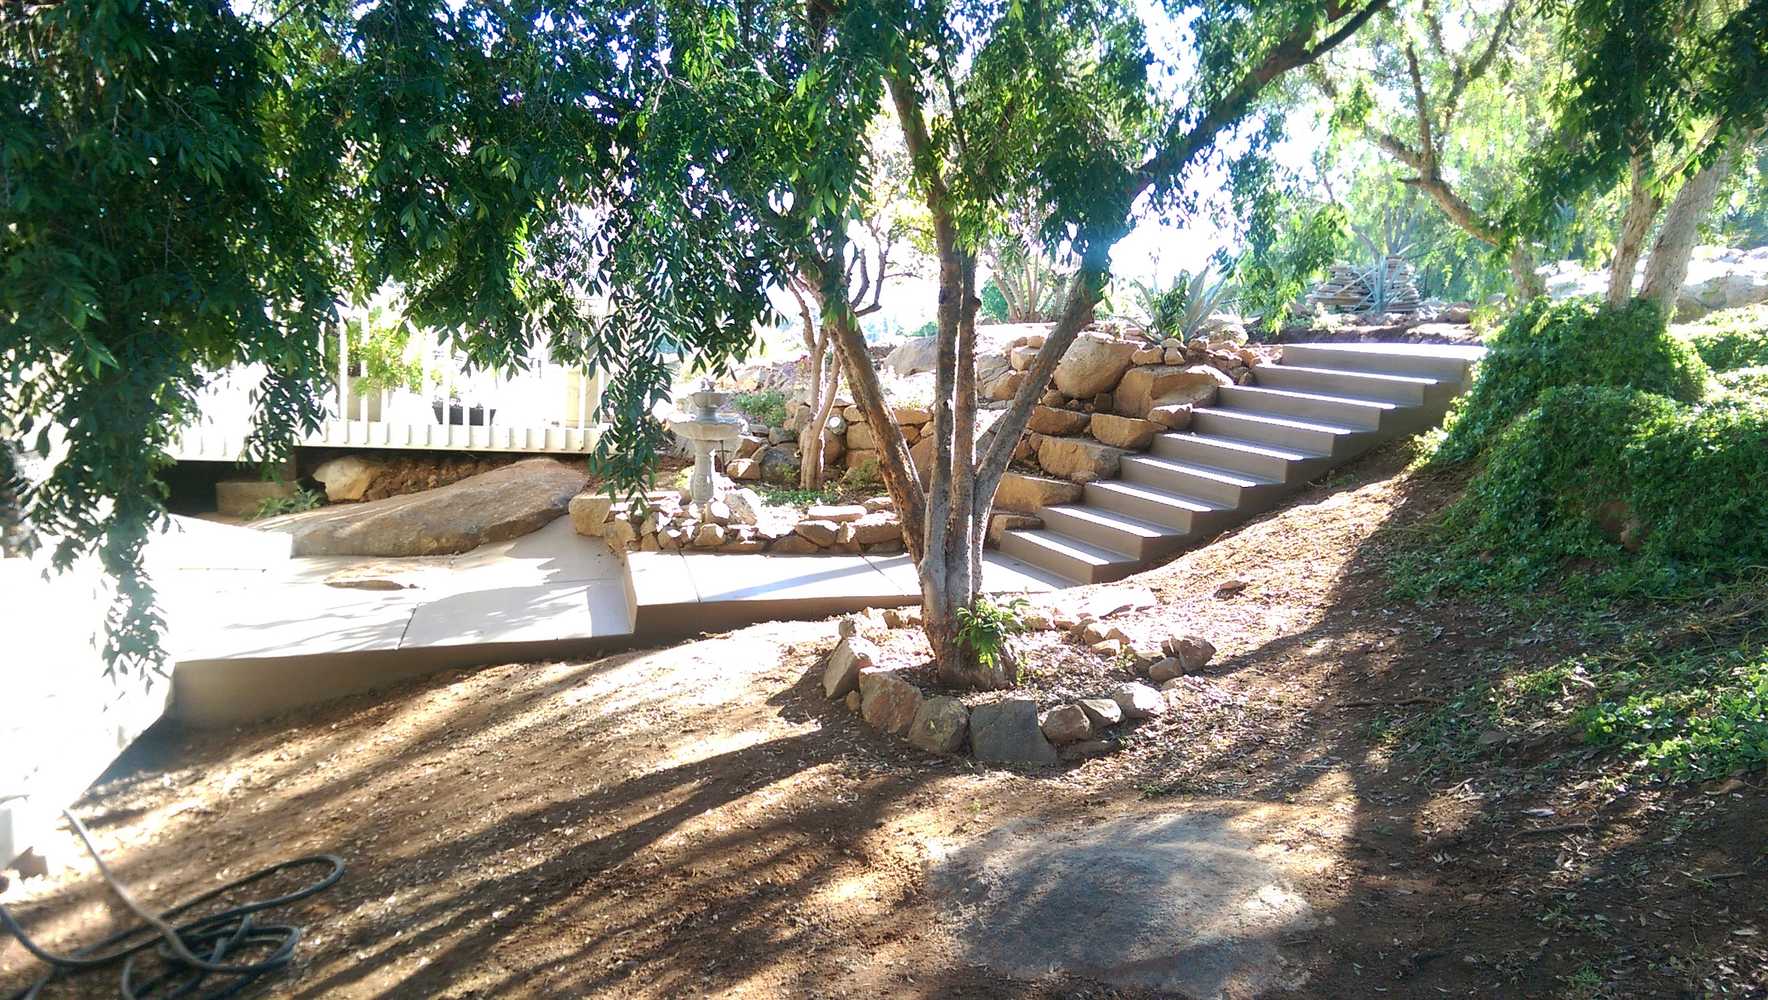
[(1101, 712), (1138, 700), (1193, 652), (777, 464), (589, 511), (1078, 460), (1029, 494), (860, 437), (871, 529), (940, 725), (1093, 364), (1066, 724), (490, 507), (916, 354), (887, 702), (1006, 732), (851, 656), (1130, 433), (347, 477), (1144, 388), (823, 533), (1049, 420)]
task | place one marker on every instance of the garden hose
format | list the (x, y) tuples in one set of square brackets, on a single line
[(191, 952)]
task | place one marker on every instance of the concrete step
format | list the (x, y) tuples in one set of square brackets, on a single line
[(1208, 483), (1068, 556), (1407, 390), (1188, 515), (1258, 458), (1273, 429), (1447, 362), (1347, 411), (1115, 530)]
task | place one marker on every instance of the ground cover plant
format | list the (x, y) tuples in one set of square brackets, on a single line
[(1547, 344), (1730, 339)]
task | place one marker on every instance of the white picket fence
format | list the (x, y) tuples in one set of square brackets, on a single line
[(545, 408)]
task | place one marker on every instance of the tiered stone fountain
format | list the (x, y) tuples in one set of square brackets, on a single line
[(706, 431)]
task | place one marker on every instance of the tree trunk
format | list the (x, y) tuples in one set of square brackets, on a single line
[(1668, 266), (1528, 284), (1642, 208)]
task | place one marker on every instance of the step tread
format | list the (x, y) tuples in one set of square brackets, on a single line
[(1146, 492), (1380, 404), (1454, 352), (1122, 522), (1229, 476), (1279, 420), (1072, 547), (1422, 380), (1250, 447)]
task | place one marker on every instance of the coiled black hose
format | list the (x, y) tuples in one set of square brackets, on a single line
[(191, 953)]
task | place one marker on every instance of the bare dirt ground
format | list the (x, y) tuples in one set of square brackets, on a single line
[(698, 820)]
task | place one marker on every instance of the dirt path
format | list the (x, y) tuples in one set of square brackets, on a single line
[(697, 820)]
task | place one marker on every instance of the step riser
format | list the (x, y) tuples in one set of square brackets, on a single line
[(1107, 536), (1229, 424), (1187, 448), (1341, 383), (1348, 414), (1175, 481), (1180, 519), (1020, 546), (1316, 356)]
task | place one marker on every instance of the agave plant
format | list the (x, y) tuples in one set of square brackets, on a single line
[(1179, 309), (1393, 239)]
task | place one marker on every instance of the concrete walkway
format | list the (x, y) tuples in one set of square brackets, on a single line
[(254, 633)]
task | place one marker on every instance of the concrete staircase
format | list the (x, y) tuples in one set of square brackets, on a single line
[(1321, 406)]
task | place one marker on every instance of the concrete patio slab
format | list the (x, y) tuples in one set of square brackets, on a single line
[(584, 610)]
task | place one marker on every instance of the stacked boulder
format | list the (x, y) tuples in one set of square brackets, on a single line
[(1112, 396), (1011, 730), (736, 522), (772, 454)]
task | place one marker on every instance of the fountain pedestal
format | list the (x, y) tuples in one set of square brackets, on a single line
[(706, 431)]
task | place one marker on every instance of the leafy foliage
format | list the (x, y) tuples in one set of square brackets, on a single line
[(1575, 342), (294, 503), (379, 341), (1730, 338), (1284, 256), (1178, 309), (1750, 381), (985, 628), (1626, 491), (766, 407)]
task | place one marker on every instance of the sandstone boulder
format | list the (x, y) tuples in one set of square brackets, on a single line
[(1029, 494), (1048, 420), (1130, 433), (940, 725), (835, 512), (916, 354), (1093, 364), (589, 511), (1142, 389), (492, 506), (1172, 416), (1102, 712), (1078, 460), (821, 533), (1001, 523), (888, 702), (851, 656), (347, 477), (1138, 700), (1066, 724), (860, 437)]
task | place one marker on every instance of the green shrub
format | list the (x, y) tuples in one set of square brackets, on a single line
[(767, 407), (1748, 381), (1649, 496), (1549, 344), (294, 503), (1730, 338)]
